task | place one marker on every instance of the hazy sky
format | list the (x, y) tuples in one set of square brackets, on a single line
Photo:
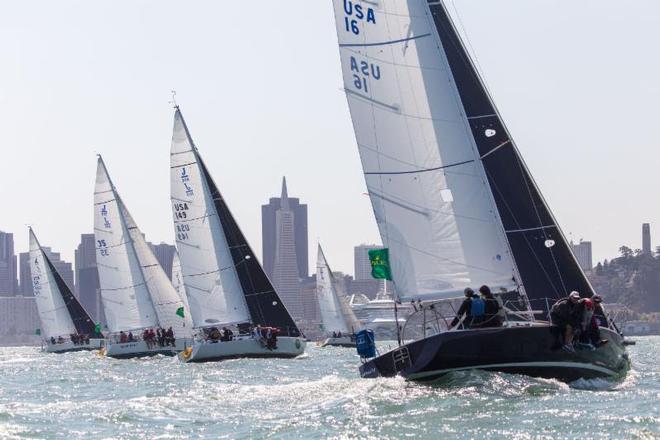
[(578, 83)]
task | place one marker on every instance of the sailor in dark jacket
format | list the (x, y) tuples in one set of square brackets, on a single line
[(565, 314), (492, 308), (466, 309)]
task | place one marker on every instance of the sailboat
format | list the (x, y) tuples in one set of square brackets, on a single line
[(454, 201), (137, 294), (234, 307), (65, 325), (338, 320)]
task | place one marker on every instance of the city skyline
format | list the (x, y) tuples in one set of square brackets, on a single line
[(297, 124)]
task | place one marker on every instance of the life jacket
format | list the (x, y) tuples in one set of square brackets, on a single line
[(477, 307)]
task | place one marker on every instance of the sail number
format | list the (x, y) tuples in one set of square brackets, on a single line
[(363, 70), (355, 14), (182, 232), (103, 248), (180, 211)]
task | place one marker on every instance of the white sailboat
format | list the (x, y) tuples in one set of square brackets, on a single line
[(137, 294), (226, 286), (65, 325), (338, 320)]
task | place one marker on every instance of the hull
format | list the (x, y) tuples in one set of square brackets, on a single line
[(529, 350), (344, 341), (67, 347), (136, 349), (206, 351)]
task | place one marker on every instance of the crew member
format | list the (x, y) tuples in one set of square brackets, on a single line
[(565, 315)]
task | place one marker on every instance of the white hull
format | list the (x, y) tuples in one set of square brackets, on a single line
[(344, 341), (140, 349), (205, 351), (68, 346)]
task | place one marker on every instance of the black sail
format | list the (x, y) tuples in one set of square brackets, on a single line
[(81, 319), (266, 307), (543, 257)]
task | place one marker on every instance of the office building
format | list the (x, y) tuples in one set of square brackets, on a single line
[(269, 232)]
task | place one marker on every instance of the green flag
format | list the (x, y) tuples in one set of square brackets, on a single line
[(37, 332), (179, 312), (380, 264), (97, 328)]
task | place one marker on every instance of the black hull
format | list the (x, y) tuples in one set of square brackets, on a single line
[(531, 351)]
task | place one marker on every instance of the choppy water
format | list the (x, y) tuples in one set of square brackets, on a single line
[(80, 395)]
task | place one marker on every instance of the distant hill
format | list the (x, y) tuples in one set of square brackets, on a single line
[(632, 279)]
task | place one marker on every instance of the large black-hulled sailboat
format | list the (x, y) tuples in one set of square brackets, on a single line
[(454, 201)]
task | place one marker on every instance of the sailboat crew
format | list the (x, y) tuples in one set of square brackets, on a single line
[(472, 307)]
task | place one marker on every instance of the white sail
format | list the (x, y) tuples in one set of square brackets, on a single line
[(126, 299), (336, 315), (427, 185), (214, 291), (164, 296), (177, 280), (53, 313)]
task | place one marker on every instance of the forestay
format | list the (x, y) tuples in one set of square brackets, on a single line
[(53, 313), (426, 182), (126, 299), (214, 291)]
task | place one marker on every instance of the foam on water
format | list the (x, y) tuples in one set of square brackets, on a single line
[(84, 396)]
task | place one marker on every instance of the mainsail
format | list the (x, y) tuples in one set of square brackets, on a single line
[(452, 197), (135, 291), (53, 312), (51, 292), (336, 315), (224, 280)]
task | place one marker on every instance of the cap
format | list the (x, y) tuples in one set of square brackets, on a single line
[(574, 295), (597, 298)]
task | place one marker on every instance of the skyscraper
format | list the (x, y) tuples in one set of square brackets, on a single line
[(8, 282), (87, 276), (269, 232), (582, 252), (286, 271), (646, 238), (64, 268)]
